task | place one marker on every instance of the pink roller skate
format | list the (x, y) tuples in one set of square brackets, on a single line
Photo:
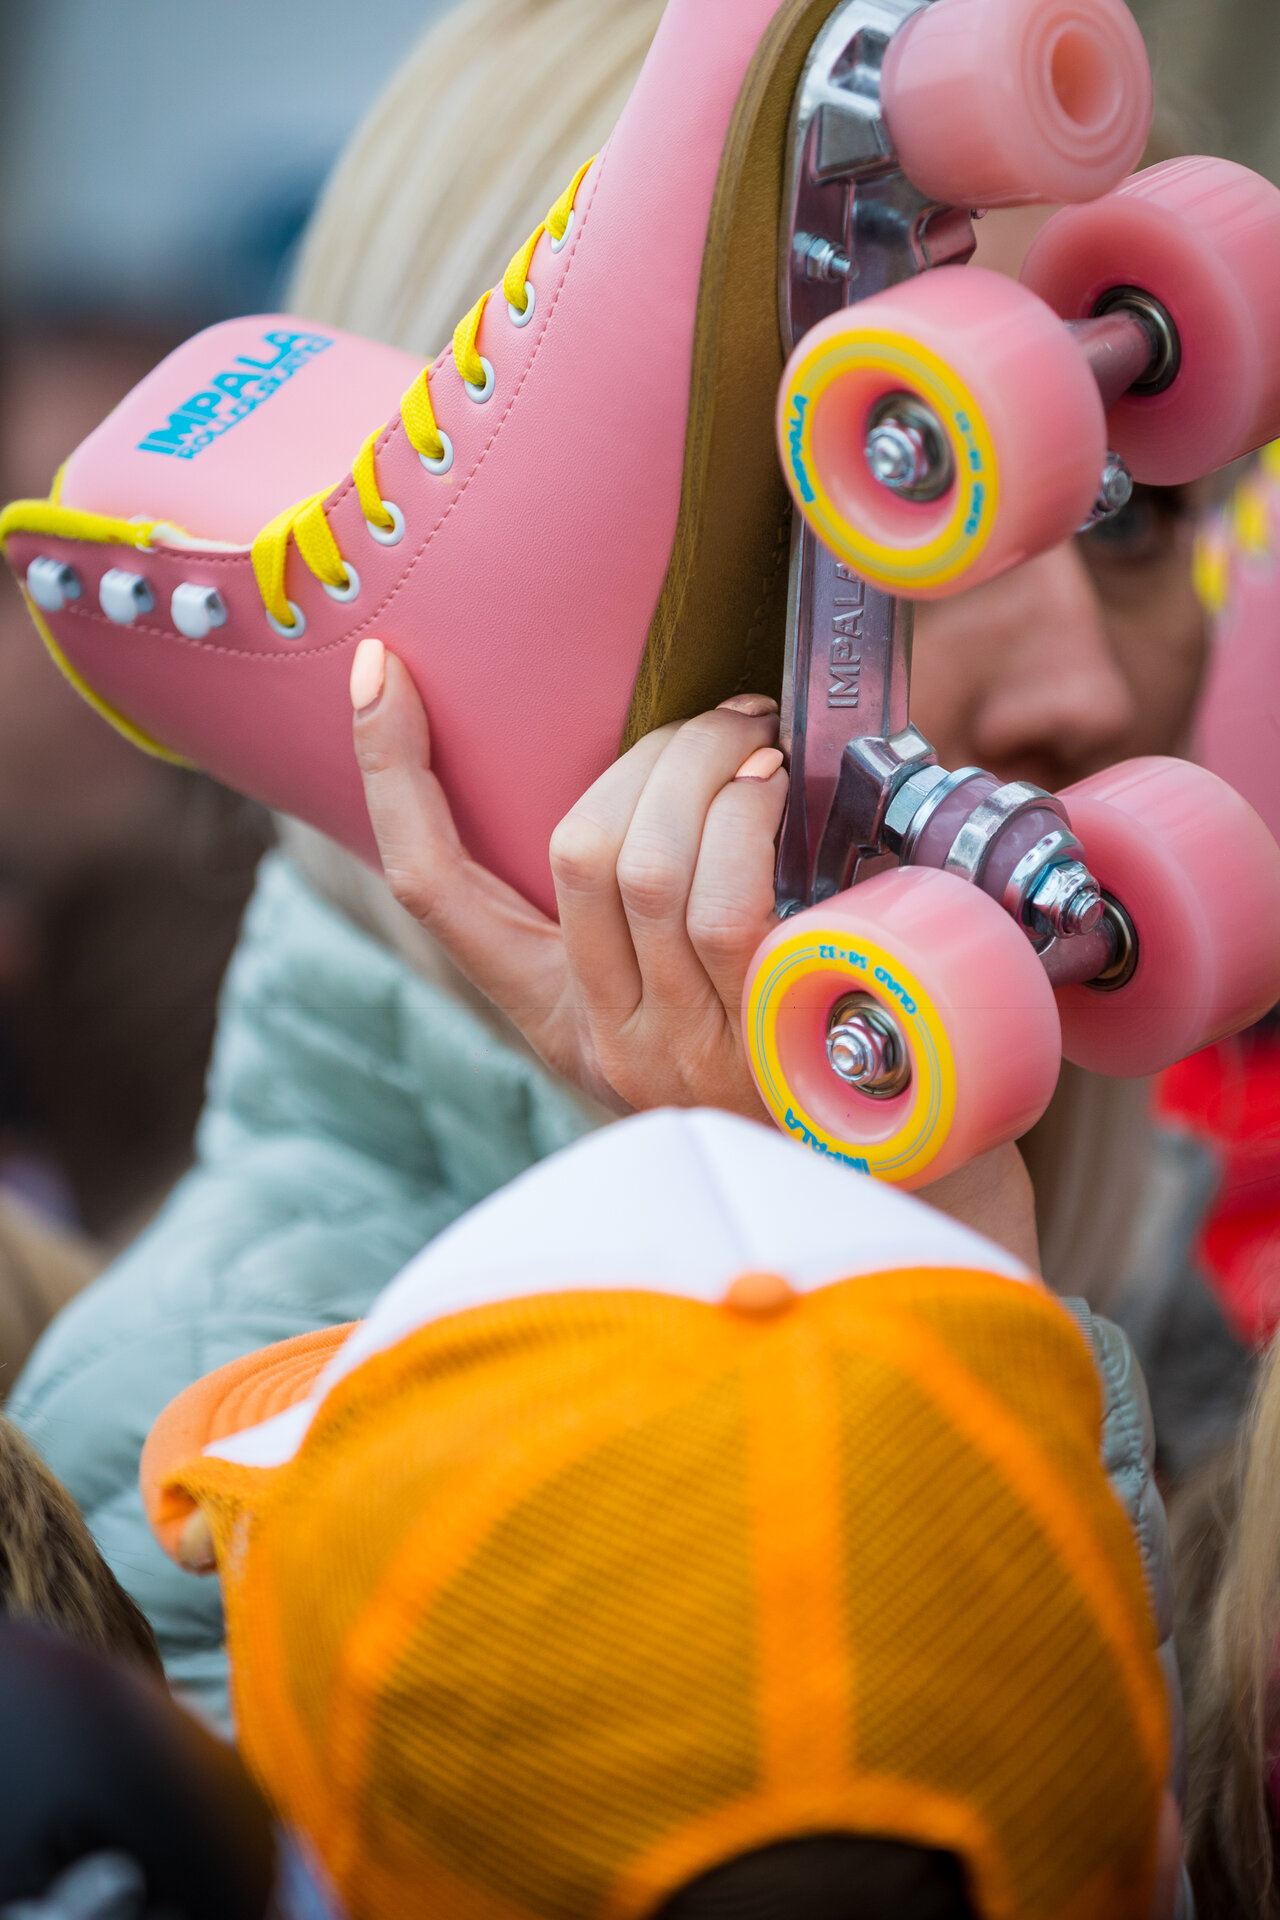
[(937, 424), (573, 528)]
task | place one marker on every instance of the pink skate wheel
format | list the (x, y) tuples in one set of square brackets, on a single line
[(962, 996), (995, 102), (1199, 876), (1202, 237), (1014, 411)]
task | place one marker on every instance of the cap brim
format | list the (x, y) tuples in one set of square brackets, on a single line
[(242, 1394)]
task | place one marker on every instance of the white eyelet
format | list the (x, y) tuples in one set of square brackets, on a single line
[(296, 631), (558, 246), (349, 590), (517, 318), (481, 394), (443, 464), (387, 536)]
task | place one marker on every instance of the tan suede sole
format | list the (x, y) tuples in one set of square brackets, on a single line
[(719, 627)]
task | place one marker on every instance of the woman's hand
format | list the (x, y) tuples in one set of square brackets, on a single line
[(664, 882)]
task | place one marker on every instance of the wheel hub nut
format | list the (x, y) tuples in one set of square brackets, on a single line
[(866, 1049), (1067, 900), (896, 455), (906, 449)]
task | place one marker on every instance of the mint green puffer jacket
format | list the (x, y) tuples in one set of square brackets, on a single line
[(353, 1111)]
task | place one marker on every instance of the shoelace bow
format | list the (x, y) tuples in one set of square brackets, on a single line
[(305, 521)]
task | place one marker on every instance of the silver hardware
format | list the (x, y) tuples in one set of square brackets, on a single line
[(480, 391), (197, 610), (872, 772), (929, 800), (443, 461), (1115, 490), (972, 846), (51, 583), (1067, 899), (388, 536), (1058, 844), (845, 676), (842, 188), (349, 588), (907, 802), (1117, 347), (124, 596), (848, 645), (865, 1047), (821, 259), (1123, 941), (1164, 358), (907, 450), (514, 314), (294, 632), (558, 246)]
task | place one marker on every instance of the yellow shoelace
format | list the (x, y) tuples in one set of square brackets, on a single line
[(305, 522)]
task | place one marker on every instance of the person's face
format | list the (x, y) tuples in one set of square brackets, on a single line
[(1089, 654)]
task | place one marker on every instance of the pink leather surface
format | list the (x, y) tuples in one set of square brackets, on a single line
[(522, 593), (306, 397)]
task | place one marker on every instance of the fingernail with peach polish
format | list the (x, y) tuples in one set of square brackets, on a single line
[(760, 765), (368, 671), (754, 705)]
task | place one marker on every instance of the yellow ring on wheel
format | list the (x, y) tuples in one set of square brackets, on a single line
[(908, 365), (922, 1132)]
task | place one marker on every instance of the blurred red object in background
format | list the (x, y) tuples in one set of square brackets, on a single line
[(1228, 1096)]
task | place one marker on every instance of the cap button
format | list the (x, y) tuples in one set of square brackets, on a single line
[(759, 1294)]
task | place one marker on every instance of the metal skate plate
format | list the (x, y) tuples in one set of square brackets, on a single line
[(852, 225)]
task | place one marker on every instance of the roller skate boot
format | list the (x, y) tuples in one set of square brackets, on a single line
[(574, 527)]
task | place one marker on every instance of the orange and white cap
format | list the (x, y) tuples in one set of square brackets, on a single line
[(687, 1495)]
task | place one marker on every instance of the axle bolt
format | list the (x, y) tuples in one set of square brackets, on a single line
[(822, 259), (1115, 490), (906, 449), (865, 1047), (896, 455)]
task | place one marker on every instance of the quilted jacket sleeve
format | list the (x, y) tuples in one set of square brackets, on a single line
[(353, 1112)]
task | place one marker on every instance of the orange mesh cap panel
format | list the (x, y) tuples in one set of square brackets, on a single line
[(224, 1402), (565, 1600)]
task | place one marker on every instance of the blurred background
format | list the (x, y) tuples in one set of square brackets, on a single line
[(160, 158), (1217, 68)]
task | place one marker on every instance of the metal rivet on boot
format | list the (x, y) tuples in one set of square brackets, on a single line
[(197, 610), (124, 596), (51, 583)]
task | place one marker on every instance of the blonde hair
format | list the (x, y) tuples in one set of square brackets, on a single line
[(461, 157), (456, 163), (51, 1573), (1227, 1537)]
